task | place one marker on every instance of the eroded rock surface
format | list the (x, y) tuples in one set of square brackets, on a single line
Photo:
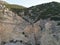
[(14, 30)]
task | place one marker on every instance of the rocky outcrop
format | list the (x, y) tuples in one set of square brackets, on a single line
[(11, 26), (21, 30)]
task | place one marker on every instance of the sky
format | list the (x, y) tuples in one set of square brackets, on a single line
[(29, 3)]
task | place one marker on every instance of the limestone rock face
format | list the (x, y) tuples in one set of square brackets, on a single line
[(14, 30), (11, 26)]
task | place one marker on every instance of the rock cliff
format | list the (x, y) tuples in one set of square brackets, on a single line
[(29, 26)]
